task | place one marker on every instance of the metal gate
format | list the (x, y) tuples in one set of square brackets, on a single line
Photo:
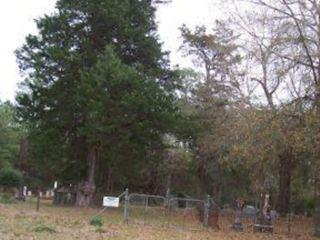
[(160, 211)]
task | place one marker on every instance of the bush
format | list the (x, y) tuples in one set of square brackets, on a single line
[(44, 228), (100, 230), (96, 221), (6, 199), (10, 177), (304, 205)]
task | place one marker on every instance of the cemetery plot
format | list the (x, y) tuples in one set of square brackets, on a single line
[(166, 212), (147, 209), (186, 213), (21, 222)]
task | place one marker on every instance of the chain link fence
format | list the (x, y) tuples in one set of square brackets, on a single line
[(160, 211), (187, 213), (196, 214), (146, 210)]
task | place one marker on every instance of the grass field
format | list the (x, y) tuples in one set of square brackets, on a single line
[(21, 221)]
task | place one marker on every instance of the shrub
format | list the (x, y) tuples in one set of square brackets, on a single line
[(100, 230), (10, 177), (96, 221), (304, 205), (6, 199), (44, 228)]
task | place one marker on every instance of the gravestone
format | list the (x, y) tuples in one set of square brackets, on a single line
[(250, 212), (65, 195), (238, 226), (182, 203), (264, 220), (25, 189), (29, 194), (213, 219), (22, 193), (48, 194), (213, 215)]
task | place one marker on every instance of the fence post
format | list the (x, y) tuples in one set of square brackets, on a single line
[(167, 209), (206, 212), (38, 200), (167, 197), (289, 221), (126, 205)]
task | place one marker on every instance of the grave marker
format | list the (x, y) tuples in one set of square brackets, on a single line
[(238, 226), (264, 223)]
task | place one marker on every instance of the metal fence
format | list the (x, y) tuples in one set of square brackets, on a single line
[(160, 211), (194, 214), (187, 213), (146, 209)]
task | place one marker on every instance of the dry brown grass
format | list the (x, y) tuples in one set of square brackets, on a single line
[(19, 221)]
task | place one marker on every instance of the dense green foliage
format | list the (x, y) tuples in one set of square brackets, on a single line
[(98, 92), (10, 178), (96, 221)]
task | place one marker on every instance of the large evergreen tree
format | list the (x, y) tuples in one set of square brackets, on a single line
[(89, 107)]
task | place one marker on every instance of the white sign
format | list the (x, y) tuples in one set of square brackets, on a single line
[(111, 202)]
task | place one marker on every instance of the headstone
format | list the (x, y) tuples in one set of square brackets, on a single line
[(264, 220), (182, 203), (40, 194), (274, 215), (24, 191), (65, 196), (29, 193), (213, 218), (238, 226), (55, 185), (226, 211), (48, 195), (250, 212)]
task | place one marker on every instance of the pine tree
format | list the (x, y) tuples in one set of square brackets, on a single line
[(83, 102)]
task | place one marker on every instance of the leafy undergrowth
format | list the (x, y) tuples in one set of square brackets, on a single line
[(22, 222), (44, 228), (96, 221), (6, 199)]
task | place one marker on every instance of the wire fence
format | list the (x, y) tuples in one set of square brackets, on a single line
[(196, 214), (160, 211), (146, 210), (187, 213)]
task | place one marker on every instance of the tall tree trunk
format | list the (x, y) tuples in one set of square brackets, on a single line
[(285, 172), (168, 182), (201, 179), (87, 188), (23, 154), (110, 181)]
